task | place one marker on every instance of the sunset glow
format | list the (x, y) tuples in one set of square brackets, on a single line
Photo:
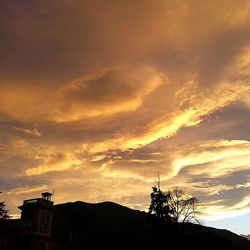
[(97, 97)]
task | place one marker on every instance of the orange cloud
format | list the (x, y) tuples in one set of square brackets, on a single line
[(32, 132), (213, 159), (106, 92), (28, 190), (102, 93), (195, 111), (55, 162)]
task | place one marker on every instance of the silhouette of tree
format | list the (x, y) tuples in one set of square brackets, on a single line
[(160, 204), (185, 208), (175, 206), (3, 211)]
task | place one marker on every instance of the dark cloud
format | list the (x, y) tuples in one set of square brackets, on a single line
[(108, 92), (221, 53)]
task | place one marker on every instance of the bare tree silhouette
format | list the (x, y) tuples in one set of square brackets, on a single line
[(184, 207)]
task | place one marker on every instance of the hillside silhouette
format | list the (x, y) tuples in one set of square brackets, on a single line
[(107, 225)]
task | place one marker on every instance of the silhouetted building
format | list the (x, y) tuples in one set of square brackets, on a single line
[(36, 219), (33, 230)]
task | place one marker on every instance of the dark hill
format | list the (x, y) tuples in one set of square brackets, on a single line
[(107, 225)]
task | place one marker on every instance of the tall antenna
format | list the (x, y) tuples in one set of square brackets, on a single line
[(53, 193), (159, 181)]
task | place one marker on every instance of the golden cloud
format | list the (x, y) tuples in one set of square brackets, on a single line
[(107, 92), (214, 158), (55, 162), (198, 106), (102, 93), (28, 190), (32, 132)]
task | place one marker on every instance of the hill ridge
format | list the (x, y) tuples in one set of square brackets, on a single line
[(114, 224)]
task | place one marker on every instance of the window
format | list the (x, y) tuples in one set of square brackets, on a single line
[(43, 246), (27, 223), (45, 221), (4, 246)]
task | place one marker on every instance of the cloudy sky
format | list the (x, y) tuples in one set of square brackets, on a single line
[(97, 97)]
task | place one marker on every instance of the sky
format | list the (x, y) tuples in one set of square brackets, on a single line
[(97, 97)]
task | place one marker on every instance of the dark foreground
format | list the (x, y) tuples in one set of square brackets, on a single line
[(110, 226)]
